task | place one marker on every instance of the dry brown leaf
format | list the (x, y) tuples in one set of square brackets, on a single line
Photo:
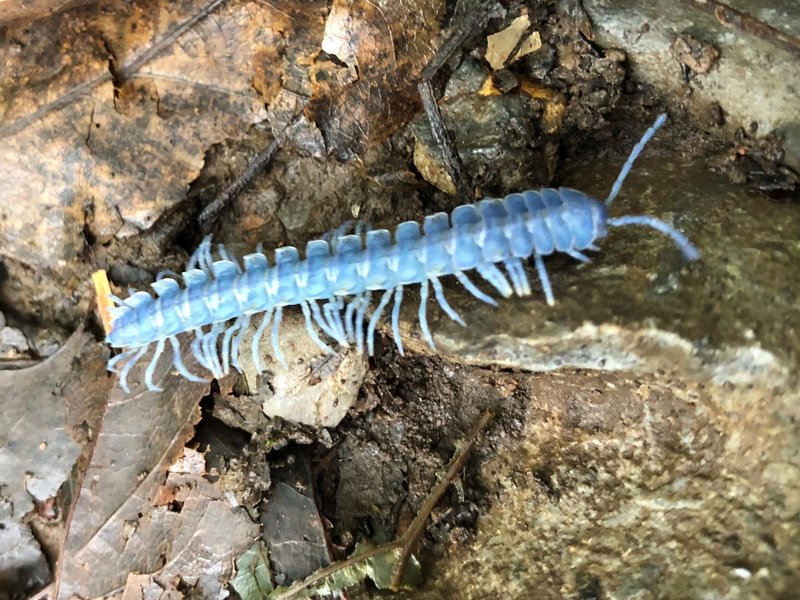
[(12, 11), (204, 538), (144, 587), (200, 542), (384, 47), (45, 414), (115, 527), (106, 113)]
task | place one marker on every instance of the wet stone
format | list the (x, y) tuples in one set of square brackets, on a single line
[(12, 343), (728, 317), (664, 427), (717, 53), (488, 131)]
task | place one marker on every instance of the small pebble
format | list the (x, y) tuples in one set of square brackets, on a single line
[(12, 343)]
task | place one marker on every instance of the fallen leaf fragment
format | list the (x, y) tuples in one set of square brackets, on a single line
[(115, 527), (44, 413), (500, 45), (253, 579)]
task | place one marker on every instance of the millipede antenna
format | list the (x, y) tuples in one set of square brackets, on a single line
[(637, 150)]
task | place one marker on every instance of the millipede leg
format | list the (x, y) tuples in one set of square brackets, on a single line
[(327, 310), (373, 322), (349, 320), (330, 320), (512, 274), (118, 301), (229, 256), (210, 348), (526, 284), (167, 273), (364, 300), (219, 329), (519, 278), (324, 324), (548, 289), (207, 352), (256, 341), (202, 259), (237, 342), (332, 236), (578, 255), (335, 312), (276, 326), (360, 229), (151, 368), (398, 300), (197, 349), (205, 348), (473, 289), (313, 332), (206, 259), (177, 362), (226, 342), (123, 374), (442, 300), (114, 360), (495, 276), (423, 314)]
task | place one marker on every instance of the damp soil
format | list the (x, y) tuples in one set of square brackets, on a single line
[(373, 472)]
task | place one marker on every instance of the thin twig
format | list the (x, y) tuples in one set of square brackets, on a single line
[(452, 161), (474, 20), (411, 537), (747, 23), (15, 364), (409, 540), (125, 72), (211, 211), (130, 69), (332, 568)]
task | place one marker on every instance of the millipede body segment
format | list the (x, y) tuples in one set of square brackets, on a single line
[(334, 281)]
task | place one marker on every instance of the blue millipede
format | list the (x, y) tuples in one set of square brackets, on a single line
[(343, 273)]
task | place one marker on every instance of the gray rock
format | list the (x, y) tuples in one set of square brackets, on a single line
[(13, 343), (670, 468), (755, 79), (316, 389), (639, 487)]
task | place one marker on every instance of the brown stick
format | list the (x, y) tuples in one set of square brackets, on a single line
[(409, 540), (452, 161), (737, 19), (210, 212), (411, 537)]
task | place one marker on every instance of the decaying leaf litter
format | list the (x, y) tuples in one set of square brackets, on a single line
[(159, 99)]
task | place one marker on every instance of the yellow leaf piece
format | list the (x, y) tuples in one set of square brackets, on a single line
[(489, 88), (500, 45), (102, 290), (554, 103)]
